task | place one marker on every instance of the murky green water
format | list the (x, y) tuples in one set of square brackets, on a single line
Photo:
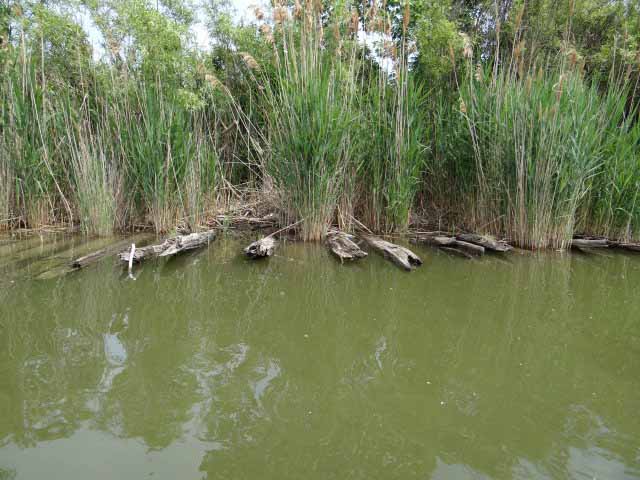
[(210, 366)]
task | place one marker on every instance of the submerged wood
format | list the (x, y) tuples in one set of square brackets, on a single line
[(485, 241), (245, 221), (452, 243), (265, 246), (457, 252), (634, 247), (261, 248), (589, 243), (401, 256), (342, 245), (82, 262), (171, 246), (92, 257), (437, 240), (468, 247)]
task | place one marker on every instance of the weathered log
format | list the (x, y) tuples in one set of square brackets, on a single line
[(485, 241), (261, 248), (450, 243), (401, 256), (471, 248), (634, 247), (82, 262), (182, 243), (110, 248), (265, 246), (171, 246), (457, 252), (589, 243), (438, 240), (342, 246), (270, 220), (143, 253)]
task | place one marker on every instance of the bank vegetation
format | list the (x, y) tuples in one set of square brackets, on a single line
[(511, 118)]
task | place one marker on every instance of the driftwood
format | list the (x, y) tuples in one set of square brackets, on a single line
[(245, 221), (437, 240), (171, 246), (342, 246), (261, 248), (468, 247), (457, 252), (93, 257), (634, 247), (589, 243), (87, 259), (485, 241), (266, 245), (451, 243), (403, 257)]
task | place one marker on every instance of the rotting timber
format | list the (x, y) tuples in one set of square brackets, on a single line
[(261, 248), (401, 256), (343, 246), (171, 246)]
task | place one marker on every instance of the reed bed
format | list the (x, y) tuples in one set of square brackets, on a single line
[(324, 115), (106, 157), (544, 155), (310, 114)]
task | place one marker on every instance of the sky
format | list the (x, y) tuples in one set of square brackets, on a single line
[(242, 11)]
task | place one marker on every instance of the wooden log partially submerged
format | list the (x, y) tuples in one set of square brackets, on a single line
[(401, 256), (457, 252), (633, 247), (92, 257), (265, 246), (171, 246), (437, 240), (468, 247), (589, 243), (452, 243), (261, 248), (342, 246), (485, 241), (82, 262)]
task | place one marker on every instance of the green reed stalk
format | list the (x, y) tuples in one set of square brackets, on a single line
[(310, 113), (32, 150)]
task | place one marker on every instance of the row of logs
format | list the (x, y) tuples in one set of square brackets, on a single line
[(586, 243), (345, 247), (465, 244)]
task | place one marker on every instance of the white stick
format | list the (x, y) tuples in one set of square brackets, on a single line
[(133, 251)]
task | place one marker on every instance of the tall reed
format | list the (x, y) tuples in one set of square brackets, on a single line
[(6, 178), (106, 154), (392, 134), (612, 207), (31, 147), (310, 113), (169, 159), (539, 139), (95, 174)]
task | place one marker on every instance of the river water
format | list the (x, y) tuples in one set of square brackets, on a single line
[(210, 366)]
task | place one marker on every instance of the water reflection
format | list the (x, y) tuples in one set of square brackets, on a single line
[(211, 366)]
